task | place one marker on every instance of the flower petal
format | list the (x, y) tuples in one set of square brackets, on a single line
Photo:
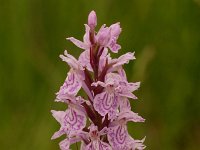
[(84, 59), (130, 116), (58, 115), (116, 29), (125, 89), (71, 86), (102, 60), (136, 144), (133, 86), (117, 136), (86, 37), (98, 145), (128, 94), (114, 47), (122, 73), (64, 145), (78, 43), (106, 103), (58, 134), (124, 59), (75, 119), (124, 104), (71, 61)]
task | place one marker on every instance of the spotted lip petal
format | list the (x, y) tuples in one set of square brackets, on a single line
[(98, 145), (59, 116), (65, 144), (75, 119), (106, 103), (70, 120), (117, 136), (71, 85)]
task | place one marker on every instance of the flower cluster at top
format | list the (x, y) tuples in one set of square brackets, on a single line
[(99, 120)]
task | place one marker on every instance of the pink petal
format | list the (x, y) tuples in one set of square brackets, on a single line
[(104, 36), (116, 29), (98, 145), (102, 60), (58, 134), (104, 146), (71, 86), (122, 73), (84, 59), (124, 59), (136, 144), (128, 94), (106, 103), (117, 136), (134, 86), (86, 37), (64, 145), (114, 47), (71, 61), (75, 119), (58, 115), (125, 89), (112, 78), (78, 43), (124, 104), (130, 116)]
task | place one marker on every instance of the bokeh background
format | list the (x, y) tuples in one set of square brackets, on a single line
[(165, 34)]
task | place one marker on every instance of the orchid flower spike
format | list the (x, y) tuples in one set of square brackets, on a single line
[(99, 120)]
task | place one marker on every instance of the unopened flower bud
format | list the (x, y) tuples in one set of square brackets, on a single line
[(92, 20)]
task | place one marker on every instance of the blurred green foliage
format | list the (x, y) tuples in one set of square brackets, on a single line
[(165, 34)]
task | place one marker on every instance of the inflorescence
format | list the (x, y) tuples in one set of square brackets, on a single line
[(98, 121)]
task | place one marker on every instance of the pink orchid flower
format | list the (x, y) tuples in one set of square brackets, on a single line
[(99, 119)]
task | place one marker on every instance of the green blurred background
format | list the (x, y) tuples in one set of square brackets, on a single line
[(165, 34)]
